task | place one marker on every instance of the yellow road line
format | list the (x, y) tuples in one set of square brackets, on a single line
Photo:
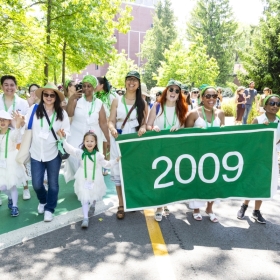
[(160, 250)]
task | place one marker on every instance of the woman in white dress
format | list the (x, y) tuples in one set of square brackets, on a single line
[(205, 116), (271, 106), (169, 113), (136, 123), (87, 113)]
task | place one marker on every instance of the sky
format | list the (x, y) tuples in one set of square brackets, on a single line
[(246, 11)]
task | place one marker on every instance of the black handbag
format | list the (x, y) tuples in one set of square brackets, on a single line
[(62, 153)]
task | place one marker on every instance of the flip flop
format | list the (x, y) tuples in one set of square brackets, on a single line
[(197, 216), (212, 217)]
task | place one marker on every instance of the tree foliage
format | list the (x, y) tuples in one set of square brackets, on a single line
[(118, 69), (158, 39), (213, 19), (51, 37), (191, 66), (262, 59)]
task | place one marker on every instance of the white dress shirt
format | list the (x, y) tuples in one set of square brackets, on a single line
[(45, 149)]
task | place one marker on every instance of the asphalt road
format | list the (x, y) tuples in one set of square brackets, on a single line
[(113, 249)]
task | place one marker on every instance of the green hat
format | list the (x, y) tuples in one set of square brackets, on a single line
[(184, 87), (52, 86), (67, 82), (91, 80), (270, 96), (133, 74), (174, 83), (204, 87)]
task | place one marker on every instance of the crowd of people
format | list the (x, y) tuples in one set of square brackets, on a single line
[(81, 124)]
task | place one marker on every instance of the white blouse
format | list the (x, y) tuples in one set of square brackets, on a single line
[(43, 144)]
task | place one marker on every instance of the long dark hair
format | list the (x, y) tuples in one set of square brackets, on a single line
[(140, 105), (57, 108), (105, 83), (91, 133)]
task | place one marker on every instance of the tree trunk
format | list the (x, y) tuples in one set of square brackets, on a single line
[(48, 30), (54, 75), (63, 62)]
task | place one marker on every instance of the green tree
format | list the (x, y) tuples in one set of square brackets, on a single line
[(64, 37), (262, 59), (118, 69), (191, 66), (214, 20), (157, 40)]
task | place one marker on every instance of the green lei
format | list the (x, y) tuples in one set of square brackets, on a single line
[(104, 97)]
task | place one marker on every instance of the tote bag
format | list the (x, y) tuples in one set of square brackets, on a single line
[(23, 155)]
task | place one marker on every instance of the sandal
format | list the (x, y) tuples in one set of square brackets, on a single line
[(158, 216), (212, 217), (166, 211), (197, 216), (120, 213)]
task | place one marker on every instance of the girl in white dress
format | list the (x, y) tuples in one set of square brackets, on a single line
[(169, 113), (205, 116), (135, 123), (87, 113), (89, 183), (12, 173)]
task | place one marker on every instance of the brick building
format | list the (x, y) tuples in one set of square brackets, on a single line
[(142, 12)]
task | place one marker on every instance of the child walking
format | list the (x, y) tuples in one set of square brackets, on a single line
[(89, 183), (12, 173)]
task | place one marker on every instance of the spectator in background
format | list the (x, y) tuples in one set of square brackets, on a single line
[(266, 91), (146, 95), (195, 97), (250, 95), (219, 99), (240, 101)]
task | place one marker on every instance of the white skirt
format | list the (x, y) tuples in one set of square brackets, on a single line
[(14, 174)]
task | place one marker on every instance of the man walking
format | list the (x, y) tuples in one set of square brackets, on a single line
[(250, 94)]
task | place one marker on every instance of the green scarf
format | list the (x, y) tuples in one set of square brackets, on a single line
[(87, 153)]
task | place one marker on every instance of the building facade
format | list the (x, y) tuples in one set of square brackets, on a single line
[(142, 12)]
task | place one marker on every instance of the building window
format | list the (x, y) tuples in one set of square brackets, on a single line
[(96, 67)]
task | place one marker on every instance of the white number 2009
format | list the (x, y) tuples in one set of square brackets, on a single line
[(238, 167)]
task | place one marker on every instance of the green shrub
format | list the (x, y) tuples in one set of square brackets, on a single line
[(253, 114), (229, 107)]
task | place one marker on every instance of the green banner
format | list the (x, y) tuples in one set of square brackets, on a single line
[(197, 164)]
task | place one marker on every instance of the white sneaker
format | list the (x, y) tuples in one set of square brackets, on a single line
[(41, 208), (26, 194), (84, 223), (0, 201), (48, 217)]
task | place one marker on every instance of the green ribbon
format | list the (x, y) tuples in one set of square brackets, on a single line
[(88, 154), (60, 147)]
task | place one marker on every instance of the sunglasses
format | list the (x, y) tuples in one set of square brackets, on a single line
[(195, 92), (52, 95), (214, 96), (273, 103), (176, 90)]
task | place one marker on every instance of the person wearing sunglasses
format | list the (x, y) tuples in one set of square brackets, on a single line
[(43, 149), (168, 113), (195, 98), (271, 107), (205, 116)]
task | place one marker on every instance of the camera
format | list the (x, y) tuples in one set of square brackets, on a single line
[(79, 86)]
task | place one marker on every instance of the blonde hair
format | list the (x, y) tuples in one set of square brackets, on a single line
[(239, 89)]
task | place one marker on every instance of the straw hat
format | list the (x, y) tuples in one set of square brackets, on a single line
[(5, 115), (52, 86), (144, 90)]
